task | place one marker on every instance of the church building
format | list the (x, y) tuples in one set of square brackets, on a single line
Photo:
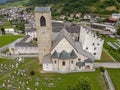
[(61, 51)]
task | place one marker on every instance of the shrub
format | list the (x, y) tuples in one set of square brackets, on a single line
[(102, 69)]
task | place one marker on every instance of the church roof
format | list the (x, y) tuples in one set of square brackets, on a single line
[(30, 29), (55, 55), (80, 64), (24, 39), (64, 55), (76, 45), (88, 61), (83, 52), (73, 55), (25, 45), (47, 59), (58, 26), (63, 33), (42, 9)]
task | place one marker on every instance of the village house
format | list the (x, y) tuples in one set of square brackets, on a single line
[(103, 27), (9, 31), (116, 15)]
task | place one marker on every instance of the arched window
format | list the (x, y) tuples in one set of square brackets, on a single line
[(42, 21), (72, 61), (79, 59), (63, 63), (55, 61)]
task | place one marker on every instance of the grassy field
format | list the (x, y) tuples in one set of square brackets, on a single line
[(17, 4), (105, 57), (32, 65), (114, 53), (4, 40), (115, 77)]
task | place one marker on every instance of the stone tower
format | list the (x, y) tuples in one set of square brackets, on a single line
[(44, 30)]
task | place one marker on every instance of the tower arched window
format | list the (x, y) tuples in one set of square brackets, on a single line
[(42, 21)]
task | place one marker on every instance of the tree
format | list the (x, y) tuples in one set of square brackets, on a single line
[(82, 84), (3, 30), (102, 69), (118, 31)]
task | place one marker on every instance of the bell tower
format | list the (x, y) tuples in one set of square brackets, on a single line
[(44, 30)]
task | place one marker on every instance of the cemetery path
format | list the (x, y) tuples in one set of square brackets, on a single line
[(109, 55), (16, 68), (106, 65)]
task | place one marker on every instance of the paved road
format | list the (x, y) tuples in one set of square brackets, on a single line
[(107, 65), (14, 56)]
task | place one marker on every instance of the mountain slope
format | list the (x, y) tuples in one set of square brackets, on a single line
[(83, 6)]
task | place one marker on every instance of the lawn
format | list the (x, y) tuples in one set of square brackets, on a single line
[(115, 77), (7, 39), (44, 78), (105, 57), (114, 53), (17, 4)]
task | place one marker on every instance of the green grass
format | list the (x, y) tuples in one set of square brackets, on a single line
[(105, 57), (17, 4), (115, 77), (7, 39), (114, 53), (66, 79)]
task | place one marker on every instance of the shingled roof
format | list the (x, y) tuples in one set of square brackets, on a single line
[(58, 26), (30, 29), (55, 55), (88, 61), (80, 64), (25, 45), (24, 39), (63, 33), (76, 45), (73, 55), (64, 55), (47, 59), (42, 9)]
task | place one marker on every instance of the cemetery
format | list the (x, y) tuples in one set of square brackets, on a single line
[(26, 74)]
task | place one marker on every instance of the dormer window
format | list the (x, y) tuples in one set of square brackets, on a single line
[(42, 21)]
